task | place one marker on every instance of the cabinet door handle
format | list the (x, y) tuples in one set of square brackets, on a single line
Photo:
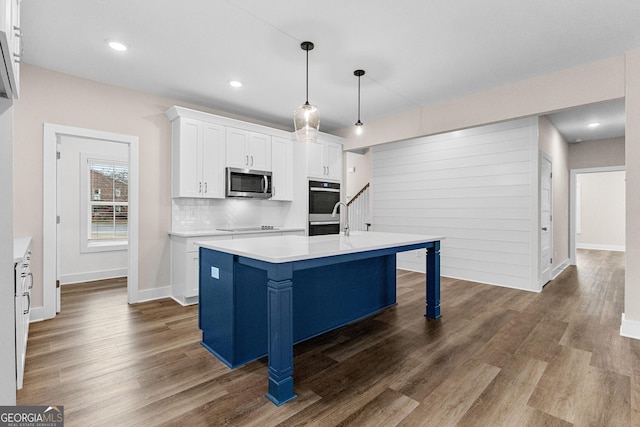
[(26, 294), (200, 187), (246, 160), (206, 187), (251, 160)]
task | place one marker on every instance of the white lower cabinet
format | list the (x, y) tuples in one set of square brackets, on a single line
[(184, 267), (185, 262), (23, 282)]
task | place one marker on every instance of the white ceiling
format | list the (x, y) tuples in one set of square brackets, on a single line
[(573, 124), (414, 52)]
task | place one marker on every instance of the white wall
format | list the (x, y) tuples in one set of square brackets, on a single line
[(357, 172), (554, 145), (76, 266), (476, 187), (601, 211), (596, 154)]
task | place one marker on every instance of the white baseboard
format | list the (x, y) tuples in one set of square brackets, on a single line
[(630, 328), (153, 294), (185, 302), (599, 247), (68, 279), (560, 268)]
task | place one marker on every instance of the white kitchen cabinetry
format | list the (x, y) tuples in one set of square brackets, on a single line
[(248, 150), (324, 160), (185, 261), (23, 282), (11, 47), (185, 267), (282, 168), (197, 159)]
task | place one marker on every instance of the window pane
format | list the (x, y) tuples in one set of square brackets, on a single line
[(109, 184), (120, 183), (102, 224), (121, 222)]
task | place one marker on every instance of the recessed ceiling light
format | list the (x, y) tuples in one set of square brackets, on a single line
[(116, 45), (235, 83), (593, 125)]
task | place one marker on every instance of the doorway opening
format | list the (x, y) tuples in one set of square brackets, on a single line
[(597, 209), (54, 135)]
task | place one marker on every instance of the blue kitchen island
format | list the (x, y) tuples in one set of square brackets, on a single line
[(260, 296)]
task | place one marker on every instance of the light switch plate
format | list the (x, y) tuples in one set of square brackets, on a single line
[(215, 272)]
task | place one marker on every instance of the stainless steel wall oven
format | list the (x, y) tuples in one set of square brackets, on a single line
[(322, 198)]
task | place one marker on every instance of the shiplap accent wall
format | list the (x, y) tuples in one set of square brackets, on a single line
[(478, 188)]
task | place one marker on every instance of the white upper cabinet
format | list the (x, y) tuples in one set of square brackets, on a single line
[(197, 159), (204, 145), (324, 160), (10, 47), (282, 168), (213, 160), (248, 150)]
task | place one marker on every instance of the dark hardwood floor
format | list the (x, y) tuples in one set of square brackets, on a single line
[(497, 357)]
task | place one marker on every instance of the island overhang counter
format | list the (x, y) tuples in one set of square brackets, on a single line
[(260, 296)]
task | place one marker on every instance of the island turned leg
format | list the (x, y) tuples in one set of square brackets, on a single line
[(433, 281), (280, 325)]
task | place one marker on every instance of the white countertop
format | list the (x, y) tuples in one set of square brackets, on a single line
[(204, 233), (279, 249), (20, 245)]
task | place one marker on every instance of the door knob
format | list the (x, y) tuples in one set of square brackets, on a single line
[(544, 228)]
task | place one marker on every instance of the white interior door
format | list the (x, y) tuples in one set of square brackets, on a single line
[(546, 194)]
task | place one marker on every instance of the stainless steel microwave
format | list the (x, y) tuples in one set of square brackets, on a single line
[(248, 183)]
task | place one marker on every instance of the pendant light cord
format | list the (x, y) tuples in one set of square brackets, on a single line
[(358, 74), (358, 98), (307, 101)]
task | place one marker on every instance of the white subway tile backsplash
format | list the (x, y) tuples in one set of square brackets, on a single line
[(209, 214)]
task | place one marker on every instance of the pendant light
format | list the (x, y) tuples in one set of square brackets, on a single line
[(306, 118), (358, 74)]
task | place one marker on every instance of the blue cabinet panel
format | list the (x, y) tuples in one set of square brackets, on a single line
[(234, 323)]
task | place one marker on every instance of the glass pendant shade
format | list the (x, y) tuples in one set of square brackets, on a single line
[(306, 120)]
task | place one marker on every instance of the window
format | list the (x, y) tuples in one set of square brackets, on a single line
[(105, 204)]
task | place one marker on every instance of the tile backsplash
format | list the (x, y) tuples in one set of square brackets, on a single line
[(209, 214)]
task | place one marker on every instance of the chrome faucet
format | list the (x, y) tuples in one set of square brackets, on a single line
[(346, 216)]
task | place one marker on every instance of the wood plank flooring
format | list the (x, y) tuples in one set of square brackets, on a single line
[(497, 357)]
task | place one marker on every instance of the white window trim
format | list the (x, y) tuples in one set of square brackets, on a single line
[(86, 244)]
